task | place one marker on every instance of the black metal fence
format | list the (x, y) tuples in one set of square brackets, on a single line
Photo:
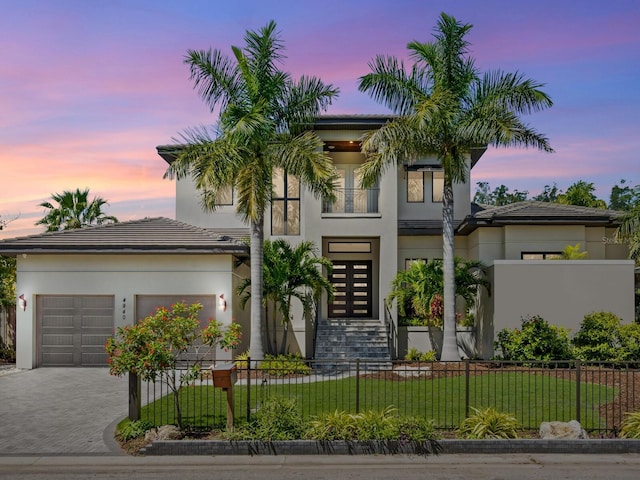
[(597, 395)]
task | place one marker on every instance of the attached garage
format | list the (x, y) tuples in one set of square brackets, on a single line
[(81, 285), (72, 330)]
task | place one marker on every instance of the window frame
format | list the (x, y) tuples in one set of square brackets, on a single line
[(286, 200), (433, 183), (409, 174)]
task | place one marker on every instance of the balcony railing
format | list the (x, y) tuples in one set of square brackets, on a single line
[(353, 200)]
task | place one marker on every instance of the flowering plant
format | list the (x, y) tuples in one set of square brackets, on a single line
[(153, 347)]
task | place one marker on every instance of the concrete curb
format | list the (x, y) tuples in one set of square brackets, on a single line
[(311, 447)]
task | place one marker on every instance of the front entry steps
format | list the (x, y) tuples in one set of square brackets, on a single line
[(341, 341)]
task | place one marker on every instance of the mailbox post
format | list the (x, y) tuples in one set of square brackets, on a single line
[(225, 376)]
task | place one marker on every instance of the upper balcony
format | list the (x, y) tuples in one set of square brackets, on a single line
[(355, 201)]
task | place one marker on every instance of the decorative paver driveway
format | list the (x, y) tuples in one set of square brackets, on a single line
[(60, 411)]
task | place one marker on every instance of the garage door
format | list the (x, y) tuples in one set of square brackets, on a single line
[(73, 329)]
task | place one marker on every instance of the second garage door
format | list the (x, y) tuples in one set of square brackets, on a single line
[(72, 330)]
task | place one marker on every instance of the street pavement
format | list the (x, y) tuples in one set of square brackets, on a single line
[(365, 467), (60, 411)]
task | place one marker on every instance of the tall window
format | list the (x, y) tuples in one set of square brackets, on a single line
[(437, 186), (415, 187), (285, 206)]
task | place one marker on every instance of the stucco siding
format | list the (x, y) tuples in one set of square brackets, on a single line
[(123, 276), (562, 292)]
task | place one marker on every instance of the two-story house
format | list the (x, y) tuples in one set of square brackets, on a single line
[(80, 285)]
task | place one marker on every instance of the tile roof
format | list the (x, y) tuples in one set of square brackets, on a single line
[(538, 213), (149, 235)]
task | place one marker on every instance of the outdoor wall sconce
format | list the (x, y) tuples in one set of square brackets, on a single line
[(222, 303), (22, 302)]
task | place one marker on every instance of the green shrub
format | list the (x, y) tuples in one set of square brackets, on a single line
[(242, 360), (489, 423), (535, 340), (630, 427), (283, 365), (131, 430), (277, 418), (603, 338), (337, 425), (415, 355)]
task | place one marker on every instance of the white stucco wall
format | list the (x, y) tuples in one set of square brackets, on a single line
[(123, 276)]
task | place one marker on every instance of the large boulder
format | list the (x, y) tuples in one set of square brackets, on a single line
[(163, 432), (562, 430)]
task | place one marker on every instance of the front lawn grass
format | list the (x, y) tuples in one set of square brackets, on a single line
[(532, 398)]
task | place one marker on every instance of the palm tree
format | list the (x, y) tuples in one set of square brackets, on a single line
[(445, 108), (264, 116), (291, 273), (629, 232), (74, 210), (419, 289)]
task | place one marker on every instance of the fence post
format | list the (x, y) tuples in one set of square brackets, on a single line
[(134, 397), (466, 388), (248, 389), (357, 386), (578, 373)]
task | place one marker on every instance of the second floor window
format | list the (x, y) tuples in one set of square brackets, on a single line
[(415, 187), (285, 206), (437, 186)]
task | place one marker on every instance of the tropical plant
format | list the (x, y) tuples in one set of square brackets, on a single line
[(283, 365), (152, 348), (130, 430), (630, 427), (415, 355), (536, 339), (445, 108), (262, 127), (572, 252), (629, 232), (489, 423), (419, 289), (277, 418), (290, 272), (581, 193), (74, 210)]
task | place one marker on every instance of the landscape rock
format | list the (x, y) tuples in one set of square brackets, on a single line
[(562, 430), (163, 432)]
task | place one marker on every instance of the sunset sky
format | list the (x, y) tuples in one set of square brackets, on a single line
[(89, 88)]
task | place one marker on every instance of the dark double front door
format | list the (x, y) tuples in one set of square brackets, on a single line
[(351, 281)]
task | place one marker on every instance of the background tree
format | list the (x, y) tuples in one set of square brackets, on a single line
[(624, 197), (290, 272), (7, 306), (581, 193), (549, 194), (499, 196), (444, 107), (261, 128), (74, 210)]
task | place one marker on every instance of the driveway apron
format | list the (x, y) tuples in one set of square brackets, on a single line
[(61, 411)]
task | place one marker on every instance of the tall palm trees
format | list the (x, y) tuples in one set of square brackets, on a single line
[(446, 108), (74, 210), (263, 125)]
